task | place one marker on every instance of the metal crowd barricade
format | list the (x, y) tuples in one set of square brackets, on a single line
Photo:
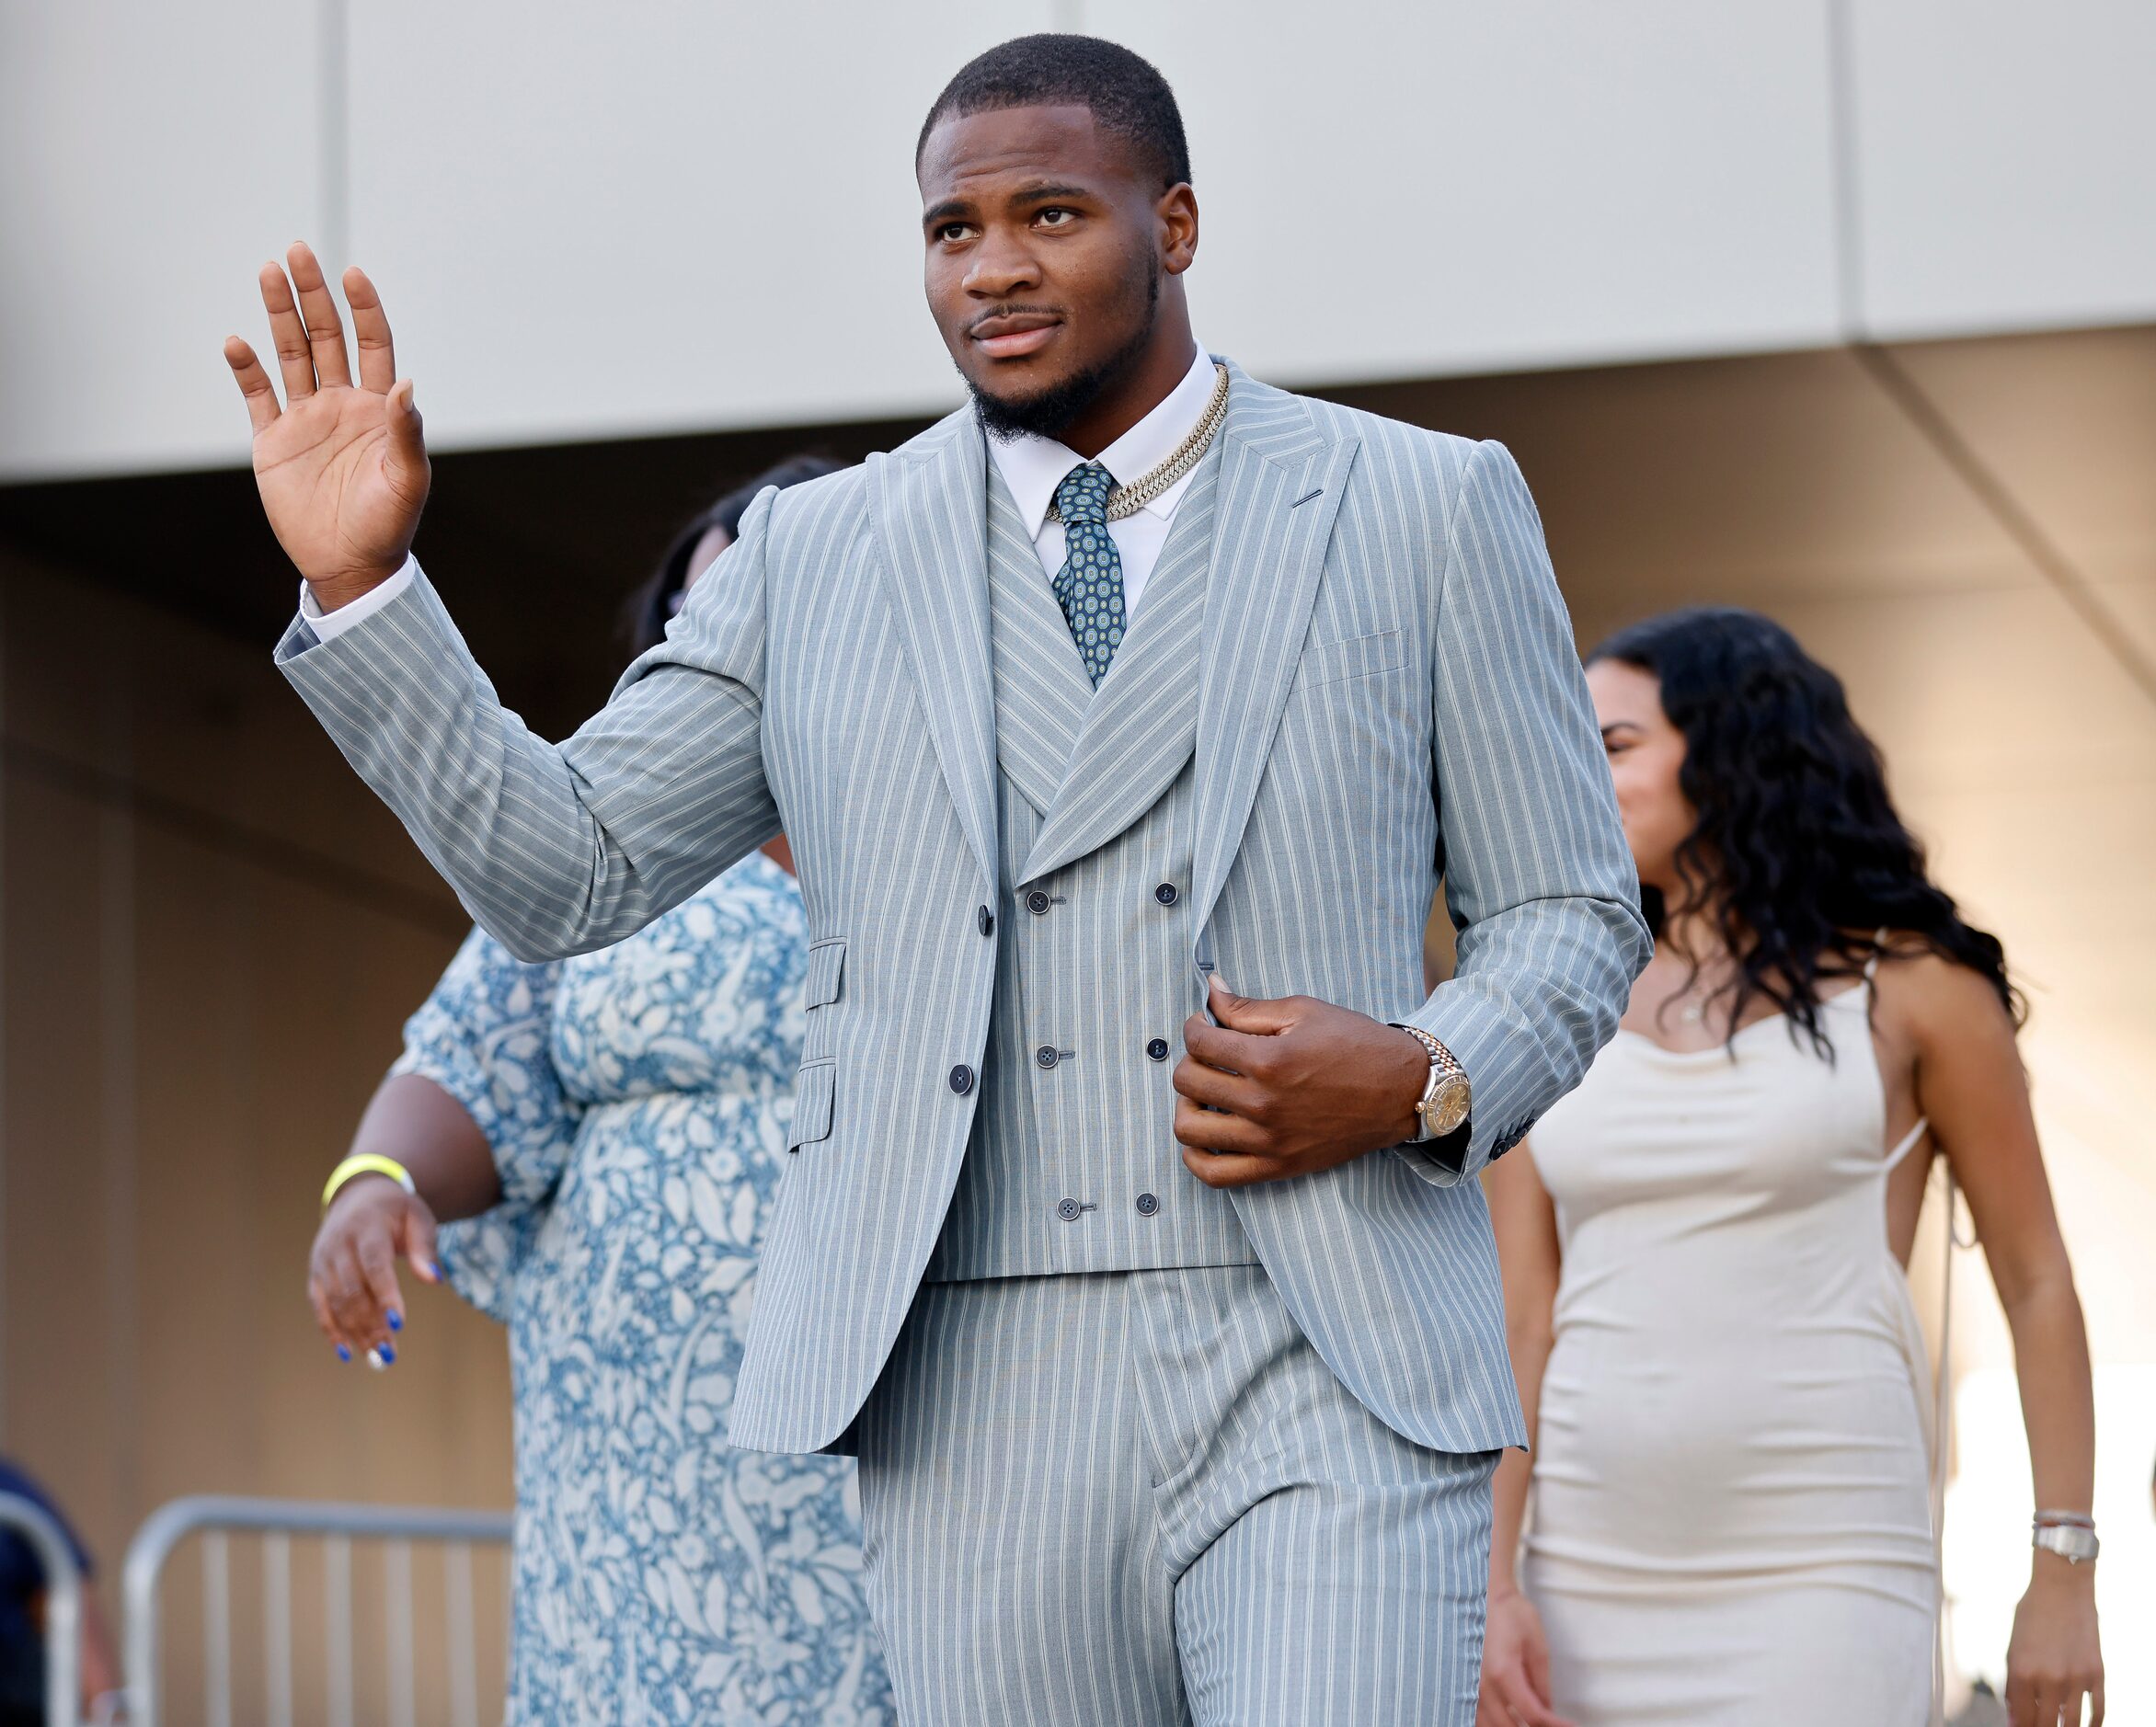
[(278, 1522), (64, 1605)]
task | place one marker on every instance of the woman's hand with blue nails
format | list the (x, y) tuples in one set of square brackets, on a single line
[(352, 1275)]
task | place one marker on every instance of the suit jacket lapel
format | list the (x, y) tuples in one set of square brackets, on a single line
[(1041, 690), (930, 532), (1281, 480), (1142, 721)]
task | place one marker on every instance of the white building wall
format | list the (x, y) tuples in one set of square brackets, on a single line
[(603, 222), (2007, 164), (147, 156)]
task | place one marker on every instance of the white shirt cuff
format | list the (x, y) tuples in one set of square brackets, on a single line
[(328, 625)]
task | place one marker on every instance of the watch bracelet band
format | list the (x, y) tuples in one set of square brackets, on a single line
[(2069, 1519), (1444, 1065), (1443, 1062)]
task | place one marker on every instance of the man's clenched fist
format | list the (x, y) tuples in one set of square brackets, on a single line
[(1291, 1087)]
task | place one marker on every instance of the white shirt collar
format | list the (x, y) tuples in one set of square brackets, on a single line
[(1033, 466)]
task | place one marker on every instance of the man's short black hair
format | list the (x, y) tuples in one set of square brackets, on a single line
[(1125, 91)]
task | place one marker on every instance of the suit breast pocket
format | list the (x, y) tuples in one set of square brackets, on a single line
[(1350, 657), (1353, 746)]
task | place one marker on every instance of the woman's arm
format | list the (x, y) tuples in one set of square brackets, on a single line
[(477, 1116), (1970, 1085), (1516, 1658), (373, 1222), (422, 1127)]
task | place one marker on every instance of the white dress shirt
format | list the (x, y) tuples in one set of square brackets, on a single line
[(328, 625), (1032, 468)]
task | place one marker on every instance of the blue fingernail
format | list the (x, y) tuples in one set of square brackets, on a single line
[(434, 1265), (387, 1351), (343, 1353), (395, 1321)]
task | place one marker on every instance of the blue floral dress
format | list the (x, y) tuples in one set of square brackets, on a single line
[(637, 1100)]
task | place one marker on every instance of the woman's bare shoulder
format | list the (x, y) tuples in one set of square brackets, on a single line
[(1933, 996)]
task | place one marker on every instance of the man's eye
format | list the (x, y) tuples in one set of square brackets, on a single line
[(954, 231), (1057, 218)]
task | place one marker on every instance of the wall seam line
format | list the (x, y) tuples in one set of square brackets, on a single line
[(334, 91), (1848, 237), (119, 1113), (2007, 510), (3, 1093)]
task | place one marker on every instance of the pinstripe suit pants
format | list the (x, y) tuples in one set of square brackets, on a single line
[(1141, 1499)]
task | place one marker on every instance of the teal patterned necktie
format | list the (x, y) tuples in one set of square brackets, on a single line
[(1090, 585)]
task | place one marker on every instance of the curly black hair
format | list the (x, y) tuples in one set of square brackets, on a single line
[(1125, 91), (1797, 848), (652, 603)]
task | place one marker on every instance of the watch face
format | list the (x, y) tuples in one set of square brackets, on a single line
[(2075, 1545), (1448, 1107)]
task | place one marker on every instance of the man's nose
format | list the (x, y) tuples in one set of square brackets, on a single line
[(1001, 267)]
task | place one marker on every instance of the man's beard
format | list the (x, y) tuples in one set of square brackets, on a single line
[(1046, 413)]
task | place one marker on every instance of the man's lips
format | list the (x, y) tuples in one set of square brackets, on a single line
[(1010, 337)]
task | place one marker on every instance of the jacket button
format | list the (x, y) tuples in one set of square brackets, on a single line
[(1037, 902), (1166, 893), (1046, 1055), (984, 920), (1068, 1209), (961, 1079), (1158, 1049), (1147, 1204)]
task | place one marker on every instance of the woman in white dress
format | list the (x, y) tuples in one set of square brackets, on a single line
[(1703, 1246)]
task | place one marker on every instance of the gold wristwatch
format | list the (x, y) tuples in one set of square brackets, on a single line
[(1448, 1098)]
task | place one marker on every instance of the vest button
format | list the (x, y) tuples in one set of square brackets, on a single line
[(1147, 1204), (1046, 1055), (1068, 1209), (1037, 902), (1166, 893), (961, 1079), (1158, 1050), (984, 920)]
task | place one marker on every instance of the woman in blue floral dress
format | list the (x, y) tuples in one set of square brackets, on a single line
[(612, 1128)]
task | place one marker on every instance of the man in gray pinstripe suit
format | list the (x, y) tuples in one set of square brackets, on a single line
[(1177, 1390)]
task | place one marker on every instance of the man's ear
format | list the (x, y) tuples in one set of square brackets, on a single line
[(1177, 213)]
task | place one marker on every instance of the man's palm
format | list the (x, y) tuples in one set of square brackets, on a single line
[(342, 468)]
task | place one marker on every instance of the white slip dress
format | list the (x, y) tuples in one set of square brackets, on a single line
[(1731, 1521)]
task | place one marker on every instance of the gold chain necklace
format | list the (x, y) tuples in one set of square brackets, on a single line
[(1127, 500)]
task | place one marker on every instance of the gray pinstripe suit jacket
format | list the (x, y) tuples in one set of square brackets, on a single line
[(1388, 689)]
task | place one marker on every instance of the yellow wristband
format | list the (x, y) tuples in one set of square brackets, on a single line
[(366, 1164)]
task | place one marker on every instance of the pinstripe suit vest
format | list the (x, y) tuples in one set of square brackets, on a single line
[(1386, 689), (1072, 1165)]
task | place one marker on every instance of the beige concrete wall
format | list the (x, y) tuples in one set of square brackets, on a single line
[(1977, 562), (209, 933)]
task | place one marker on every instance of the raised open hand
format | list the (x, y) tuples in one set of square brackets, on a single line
[(342, 469)]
